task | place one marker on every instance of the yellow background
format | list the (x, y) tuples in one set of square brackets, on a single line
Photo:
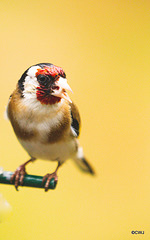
[(104, 48)]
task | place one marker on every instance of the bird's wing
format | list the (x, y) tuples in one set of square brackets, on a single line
[(76, 121)]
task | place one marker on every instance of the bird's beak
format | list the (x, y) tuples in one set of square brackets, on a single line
[(62, 85)]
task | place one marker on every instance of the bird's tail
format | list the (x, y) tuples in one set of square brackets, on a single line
[(82, 163)]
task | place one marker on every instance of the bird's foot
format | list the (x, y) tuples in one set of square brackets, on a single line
[(48, 178), (18, 176)]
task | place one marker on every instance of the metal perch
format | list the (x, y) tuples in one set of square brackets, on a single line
[(29, 180)]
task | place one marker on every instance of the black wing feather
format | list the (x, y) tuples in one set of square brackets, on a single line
[(76, 121)]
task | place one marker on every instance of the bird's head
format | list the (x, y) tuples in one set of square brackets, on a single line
[(44, 82)]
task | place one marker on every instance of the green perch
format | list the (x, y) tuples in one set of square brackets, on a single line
[(29, 180)]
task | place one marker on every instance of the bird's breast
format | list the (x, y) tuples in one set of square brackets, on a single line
[(47, 130), (43, 124)]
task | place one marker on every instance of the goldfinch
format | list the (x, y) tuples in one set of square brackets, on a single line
[(45, 120)]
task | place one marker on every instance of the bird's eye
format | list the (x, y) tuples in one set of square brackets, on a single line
[(42, 79)]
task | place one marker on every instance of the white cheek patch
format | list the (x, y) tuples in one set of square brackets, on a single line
[(31, 83), (30, 87)]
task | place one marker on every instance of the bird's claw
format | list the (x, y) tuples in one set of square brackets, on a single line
[(18, 176), (48, 178)]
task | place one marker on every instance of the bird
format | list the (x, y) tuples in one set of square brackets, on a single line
[(45, 120)]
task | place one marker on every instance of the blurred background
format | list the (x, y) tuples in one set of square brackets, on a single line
[(103, 46)]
